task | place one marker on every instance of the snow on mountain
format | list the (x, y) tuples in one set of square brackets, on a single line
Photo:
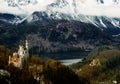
[(104, 14), (86, 7), (101, 13), (23, 7), (89, 7)]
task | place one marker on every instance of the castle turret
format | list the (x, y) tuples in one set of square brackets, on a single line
[(21, 51), (27, 47), (9, 60)]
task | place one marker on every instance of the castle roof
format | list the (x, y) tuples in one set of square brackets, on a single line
[(15, 58)]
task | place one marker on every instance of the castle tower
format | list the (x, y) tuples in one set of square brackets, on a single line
[(9, 60), (21, 51), (26, 44), (27, 47)]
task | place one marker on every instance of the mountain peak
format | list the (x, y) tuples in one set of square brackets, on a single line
[(96, 12)]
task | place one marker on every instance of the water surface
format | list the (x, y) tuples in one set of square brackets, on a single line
[(66, 58)]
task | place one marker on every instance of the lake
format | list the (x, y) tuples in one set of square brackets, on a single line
[(66, 58)]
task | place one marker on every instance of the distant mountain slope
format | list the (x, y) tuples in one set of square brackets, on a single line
[(60, 25), (56, 35), (101, 13)]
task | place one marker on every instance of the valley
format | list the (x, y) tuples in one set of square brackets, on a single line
[(60, 41)]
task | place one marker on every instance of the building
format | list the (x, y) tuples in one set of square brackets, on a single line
[(95, 62), (18, 57)]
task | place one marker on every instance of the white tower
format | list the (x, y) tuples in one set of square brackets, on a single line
[(21, 51), (27, 47)]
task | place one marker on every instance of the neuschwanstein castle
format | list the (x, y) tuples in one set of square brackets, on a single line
[(18, 57)]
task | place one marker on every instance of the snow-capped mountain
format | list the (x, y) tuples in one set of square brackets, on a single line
[(104, 14), (60, 25)]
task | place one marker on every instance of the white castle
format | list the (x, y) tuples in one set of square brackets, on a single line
[(18, 57)]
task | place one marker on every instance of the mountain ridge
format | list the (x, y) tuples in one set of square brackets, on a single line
[(59, 26), (58, 10)]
